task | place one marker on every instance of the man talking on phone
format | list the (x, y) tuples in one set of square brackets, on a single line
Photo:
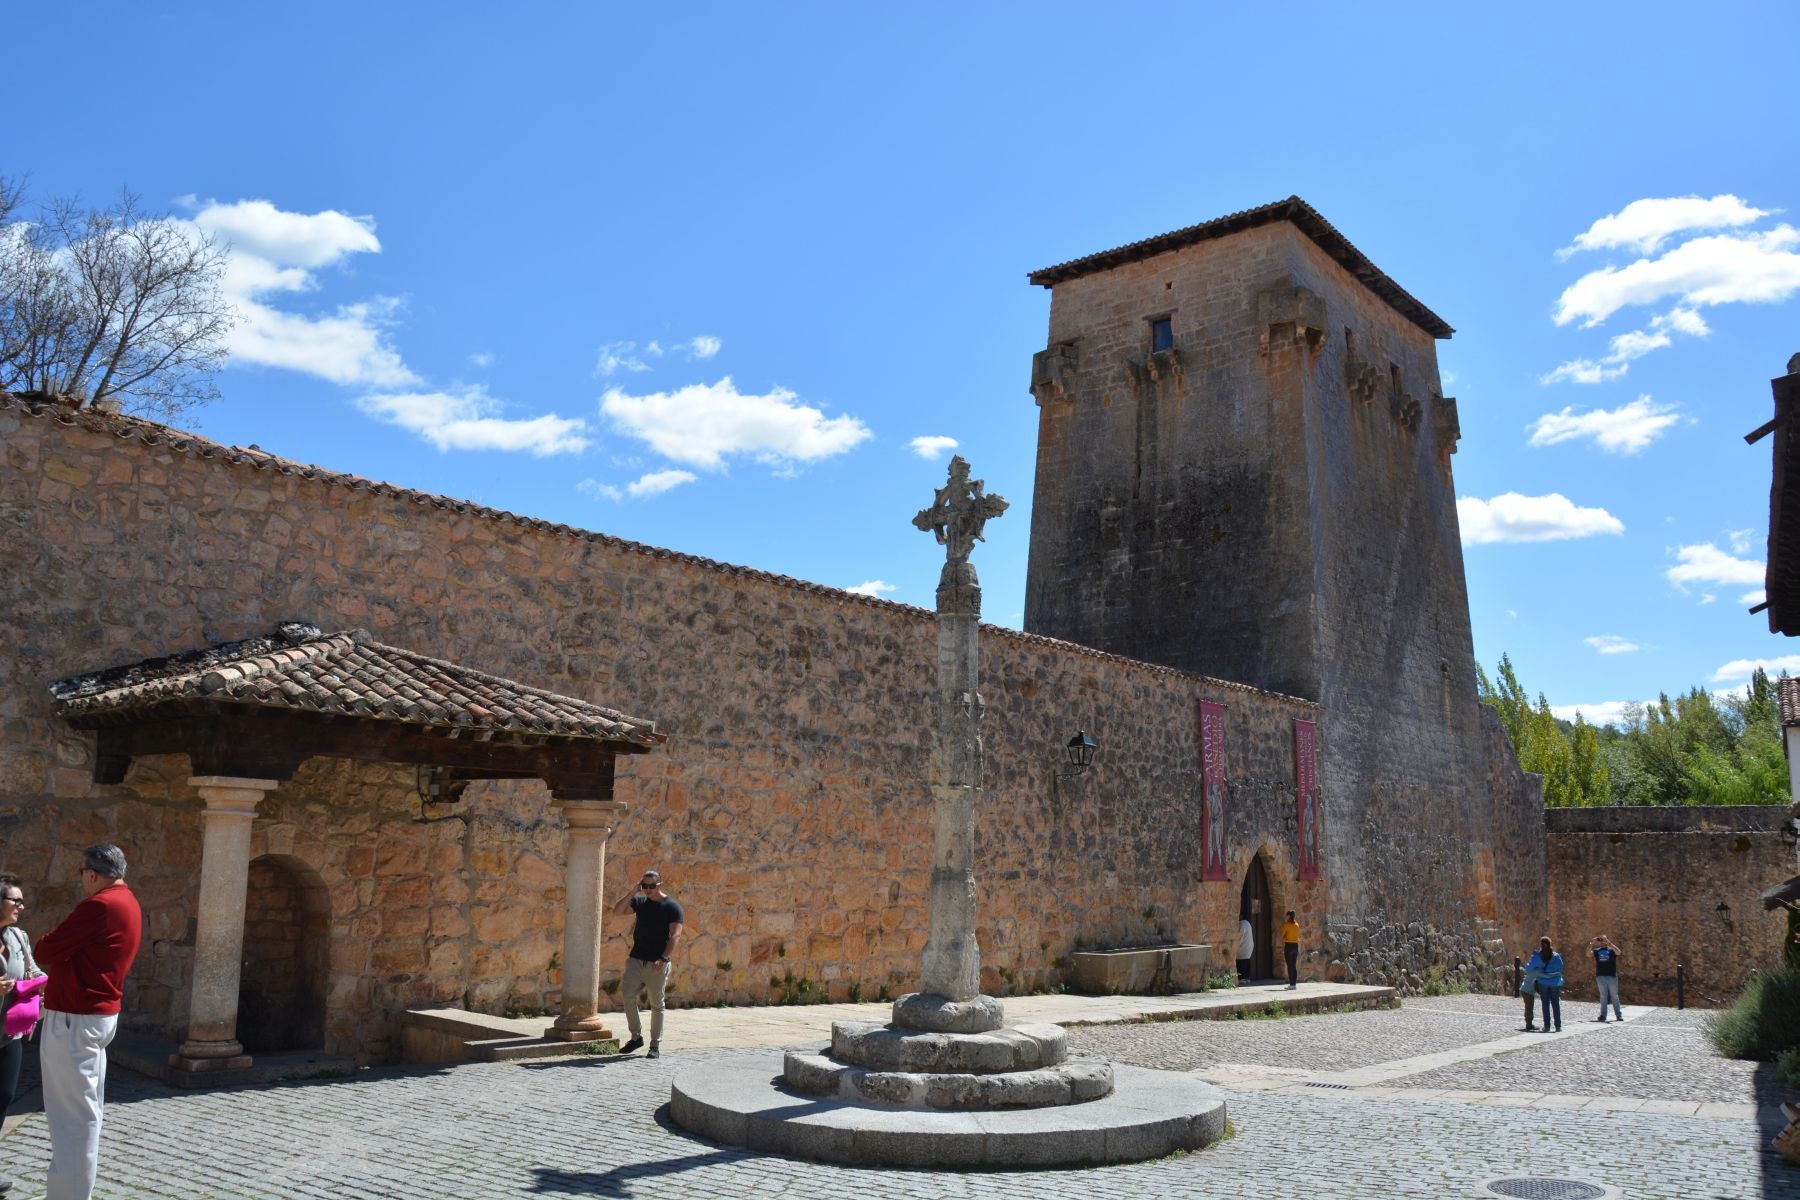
[(653, 941)]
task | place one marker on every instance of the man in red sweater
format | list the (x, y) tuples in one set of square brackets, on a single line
[(87, 957)]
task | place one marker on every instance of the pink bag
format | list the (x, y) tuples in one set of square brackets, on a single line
[(26, 1006)]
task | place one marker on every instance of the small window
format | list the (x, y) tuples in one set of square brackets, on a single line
[(1162, 335)]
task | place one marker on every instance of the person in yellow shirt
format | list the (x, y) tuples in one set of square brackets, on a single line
[(1290, 947)]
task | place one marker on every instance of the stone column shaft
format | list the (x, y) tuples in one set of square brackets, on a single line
[(952, 963), (212, 1043), (589, 824)]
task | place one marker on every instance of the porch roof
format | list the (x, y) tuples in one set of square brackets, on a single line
[(259, 706)]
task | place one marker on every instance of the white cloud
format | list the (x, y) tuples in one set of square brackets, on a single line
[(874, 587), (482, 360), (1721, 269), (1627, 347), (657, 482), (467, 420), (619, 356), (1740, 669), (1583, 370), (1753, 597), (1682, 320), (260, 230), (1636, 344), (629, 357), (1510, 517), (348, 347), (1740, 540), (1706, 563), (1623, 430), (1609, 643), (1643, 225), (704, 424), (598, 490), (932, 446), (273, 252), (1605, 712)]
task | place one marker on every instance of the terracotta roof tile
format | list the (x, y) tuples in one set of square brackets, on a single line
[(346, 673), (1788, 688)]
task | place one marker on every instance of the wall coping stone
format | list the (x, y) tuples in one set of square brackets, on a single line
[(1662, 818)]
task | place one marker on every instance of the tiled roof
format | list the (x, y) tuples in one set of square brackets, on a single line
[(1303, 216), (1788, 688), (150, 433), (347, 673)]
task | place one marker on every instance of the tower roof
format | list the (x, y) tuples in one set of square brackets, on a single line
[(1302, 215)]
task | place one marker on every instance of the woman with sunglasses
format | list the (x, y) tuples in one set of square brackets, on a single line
[(16, 965)]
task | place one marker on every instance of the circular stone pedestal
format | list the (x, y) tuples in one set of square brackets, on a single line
[(744, 1102)]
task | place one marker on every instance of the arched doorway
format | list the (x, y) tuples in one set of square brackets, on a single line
[(287, 930), (1256, 906)]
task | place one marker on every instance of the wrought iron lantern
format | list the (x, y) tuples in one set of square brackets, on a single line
[(1080, 750)]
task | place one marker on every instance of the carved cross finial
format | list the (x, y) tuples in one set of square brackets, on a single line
[(960, 511)]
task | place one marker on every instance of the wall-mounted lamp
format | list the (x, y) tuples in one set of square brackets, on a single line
[(1080, 750), (1724, 910)]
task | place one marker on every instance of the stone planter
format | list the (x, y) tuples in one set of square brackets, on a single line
[(1141, 969)]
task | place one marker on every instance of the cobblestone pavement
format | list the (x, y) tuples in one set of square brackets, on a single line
[(1638, 1058), (594, 1127), (1334, 1042)]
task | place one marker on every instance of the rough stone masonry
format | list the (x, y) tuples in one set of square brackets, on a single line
[(1244, 470)]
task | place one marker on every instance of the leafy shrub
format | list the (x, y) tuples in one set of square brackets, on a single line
[(1787, 1066), (1763, 1021)]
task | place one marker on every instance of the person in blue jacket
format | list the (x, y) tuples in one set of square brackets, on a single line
[(1547, 966)]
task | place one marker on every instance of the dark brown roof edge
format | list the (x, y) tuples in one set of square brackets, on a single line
[(1303, 216), (152, 434)]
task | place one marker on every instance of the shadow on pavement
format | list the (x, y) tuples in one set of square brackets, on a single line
[(618, 1181)]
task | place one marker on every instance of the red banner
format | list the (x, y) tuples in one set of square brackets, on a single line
[(1212, 791), (1306, 799)]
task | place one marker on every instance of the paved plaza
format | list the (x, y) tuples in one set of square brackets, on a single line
[(1430, 1100)]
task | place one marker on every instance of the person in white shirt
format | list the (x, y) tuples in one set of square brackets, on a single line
[(1246, 948)]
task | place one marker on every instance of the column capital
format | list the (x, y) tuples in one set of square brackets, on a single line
[(591, 814), (230, 793)]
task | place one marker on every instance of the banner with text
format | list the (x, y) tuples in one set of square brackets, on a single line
[(1212, 791), (1306, 799)]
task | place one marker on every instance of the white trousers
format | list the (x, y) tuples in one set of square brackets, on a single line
[(72, 1062)]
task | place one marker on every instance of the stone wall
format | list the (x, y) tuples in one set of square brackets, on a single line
[(1654, 880), (1271, 500), (789, 809)]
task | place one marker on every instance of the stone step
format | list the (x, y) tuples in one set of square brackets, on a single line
[(884, 1048), (519, 1049), (1080, 1078)]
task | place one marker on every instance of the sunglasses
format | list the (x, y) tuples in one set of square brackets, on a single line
[(16, 900), (650, 883)]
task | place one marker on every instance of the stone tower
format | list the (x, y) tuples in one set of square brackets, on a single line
[(1243, 470)]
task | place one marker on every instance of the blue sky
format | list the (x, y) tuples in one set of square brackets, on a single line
[(700, 279)]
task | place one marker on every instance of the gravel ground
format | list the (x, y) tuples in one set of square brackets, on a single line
[(1328, 1042)]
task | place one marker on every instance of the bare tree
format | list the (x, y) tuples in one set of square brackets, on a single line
[(113, 307)]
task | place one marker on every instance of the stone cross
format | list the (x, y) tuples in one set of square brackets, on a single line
[(960, 512), (952, 964)]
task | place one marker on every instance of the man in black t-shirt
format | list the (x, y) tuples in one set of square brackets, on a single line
[(1606, 975), (653, 941)]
